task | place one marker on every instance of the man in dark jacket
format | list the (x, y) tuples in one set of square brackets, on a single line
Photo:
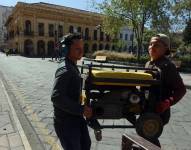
[(173, 88), (70, 125)]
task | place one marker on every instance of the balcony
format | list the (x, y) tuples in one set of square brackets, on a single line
[(28, 33)]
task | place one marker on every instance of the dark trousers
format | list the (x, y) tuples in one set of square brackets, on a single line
[(73, 133)]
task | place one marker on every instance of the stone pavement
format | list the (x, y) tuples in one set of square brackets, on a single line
[(31, 79), (187, 79), (12, 136)]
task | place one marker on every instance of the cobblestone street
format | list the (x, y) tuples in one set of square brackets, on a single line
[(29, 81)]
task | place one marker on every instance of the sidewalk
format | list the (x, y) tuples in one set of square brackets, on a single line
[(187, 79), (12, 136)]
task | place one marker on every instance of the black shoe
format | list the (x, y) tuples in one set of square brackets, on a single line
[(98, 134)]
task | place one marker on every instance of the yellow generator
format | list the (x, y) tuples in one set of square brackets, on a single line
[(120, 92)]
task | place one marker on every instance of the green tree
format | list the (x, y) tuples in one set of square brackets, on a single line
[(181, 10), (160, 21), (135, 13), (187, 33), (176, 42)]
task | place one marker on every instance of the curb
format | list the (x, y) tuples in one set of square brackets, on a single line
[(16, 120)]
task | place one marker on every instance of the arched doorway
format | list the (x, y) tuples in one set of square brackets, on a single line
[(28, 47), (50, 48), (27, 26), (86, 48), (40, 48)]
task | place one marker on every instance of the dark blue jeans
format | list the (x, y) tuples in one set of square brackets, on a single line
[(73, 133)]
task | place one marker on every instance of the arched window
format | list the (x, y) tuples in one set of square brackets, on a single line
[(86, 34), (95, 34), (60, 31), (27, 26), (41, 29)]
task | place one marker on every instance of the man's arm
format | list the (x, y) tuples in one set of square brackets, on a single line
[(174, 81), (176, 85)]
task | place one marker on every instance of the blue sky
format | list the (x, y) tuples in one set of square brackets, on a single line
[(80, 4)]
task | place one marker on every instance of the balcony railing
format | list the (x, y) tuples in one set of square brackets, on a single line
[(28, 33)]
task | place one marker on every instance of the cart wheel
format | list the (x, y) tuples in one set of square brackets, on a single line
[(149, 126)]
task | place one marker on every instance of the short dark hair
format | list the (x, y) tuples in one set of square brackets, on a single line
[(69, 38)]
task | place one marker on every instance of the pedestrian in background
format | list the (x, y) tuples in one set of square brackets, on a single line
[(173, 88), (7, 52), (70, 125)]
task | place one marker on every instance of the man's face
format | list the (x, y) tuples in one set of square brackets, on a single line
[(76, 50), (156, 48)]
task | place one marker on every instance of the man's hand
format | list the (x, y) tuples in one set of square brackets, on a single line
[(163, 106), (87, 112)]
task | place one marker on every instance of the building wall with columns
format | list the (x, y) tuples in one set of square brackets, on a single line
[(35, 28)]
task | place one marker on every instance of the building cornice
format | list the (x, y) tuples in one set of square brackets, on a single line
[(64, 14), (57, 9)]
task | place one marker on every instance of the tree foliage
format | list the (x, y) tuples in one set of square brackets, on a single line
[(135, 13), (181, 10)]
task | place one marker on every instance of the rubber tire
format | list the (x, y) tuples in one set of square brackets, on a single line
[(152, 118)]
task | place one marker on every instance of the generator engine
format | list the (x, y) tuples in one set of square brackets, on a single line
[(117, 103)]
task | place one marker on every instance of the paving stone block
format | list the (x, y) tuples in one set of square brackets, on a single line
[(14, 140), (5, 123), (4, 141), (18, 148)]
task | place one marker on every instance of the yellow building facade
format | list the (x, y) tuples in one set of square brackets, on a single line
[(36, 28)]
